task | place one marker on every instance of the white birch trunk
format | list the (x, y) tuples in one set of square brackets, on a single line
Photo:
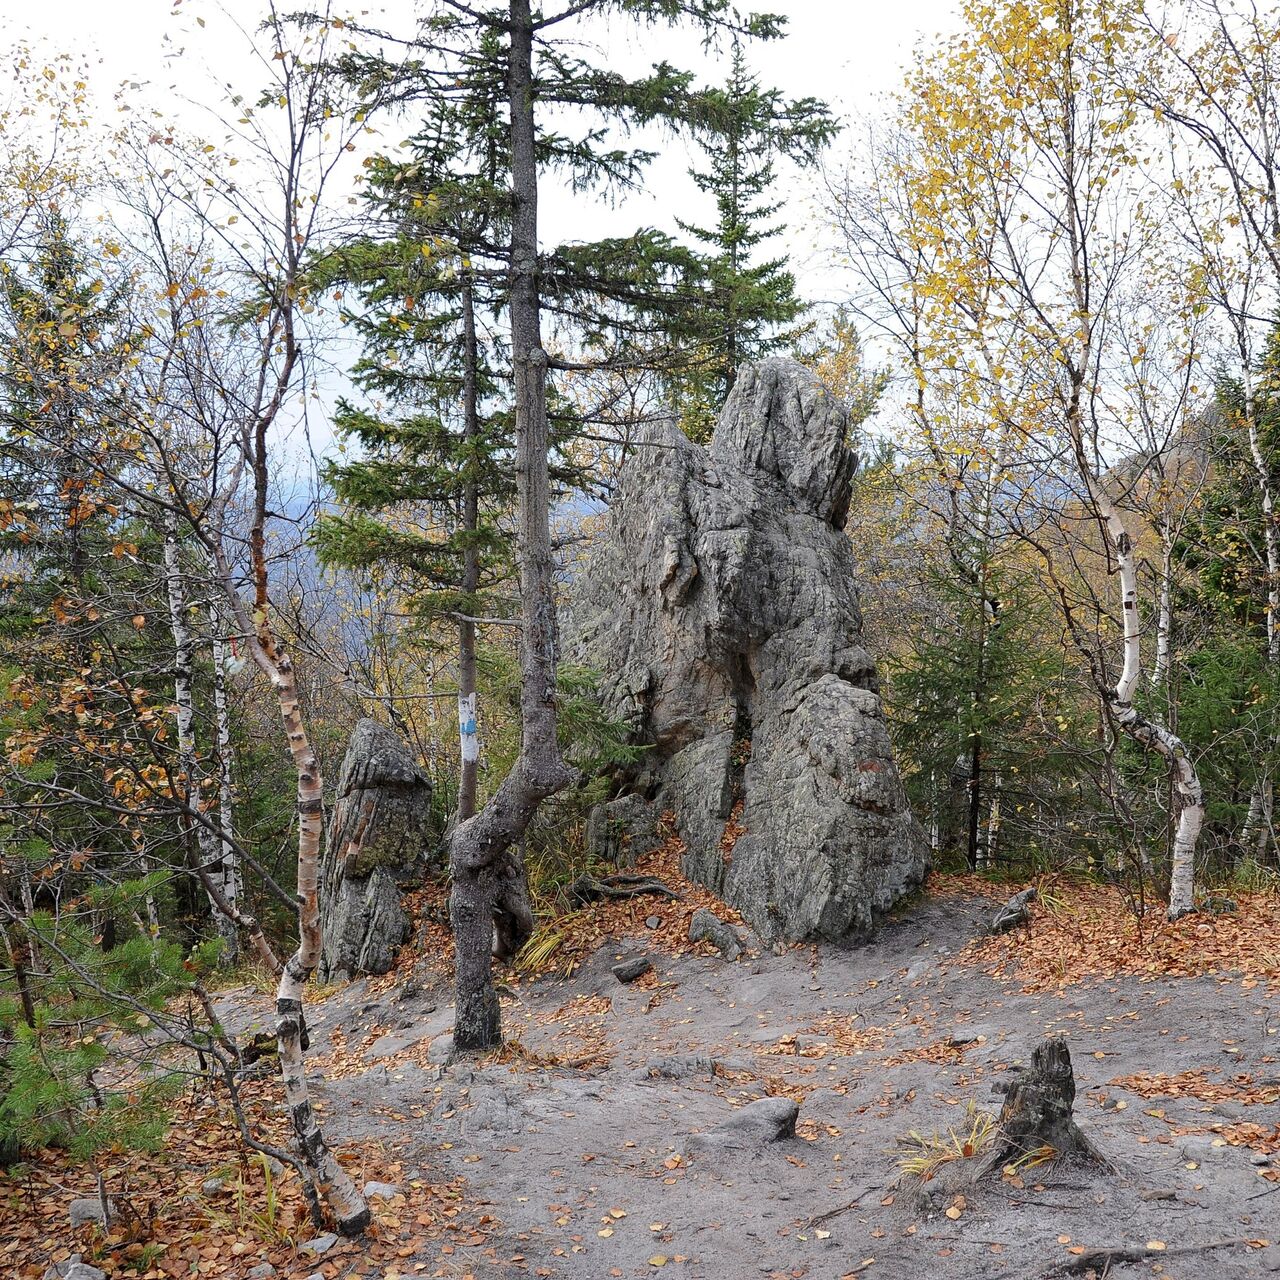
[(188, 761), (1257, 832), (1152, 736), (994, 819), (332, 1181), (1164, 611), (226, 798)]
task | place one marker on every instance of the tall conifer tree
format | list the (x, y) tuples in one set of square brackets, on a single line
[(502, 72), (750, 308)]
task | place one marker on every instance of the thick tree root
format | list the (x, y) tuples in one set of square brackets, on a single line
[(589, 889)]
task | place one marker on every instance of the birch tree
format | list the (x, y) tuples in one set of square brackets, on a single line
[(1210, 73), (231, 363), (1028, 214)]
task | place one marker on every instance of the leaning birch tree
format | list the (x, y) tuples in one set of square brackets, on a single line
[(1209, 72), (227, 373), (1024, 147)]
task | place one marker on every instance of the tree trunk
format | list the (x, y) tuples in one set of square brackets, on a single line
[(488, 876), (226, 797), (332, 1181), (207, 845), (993, 820), (1257, 834), (1147, 733), (468, 734), (1164, 611), (974, 789), (19, 951)]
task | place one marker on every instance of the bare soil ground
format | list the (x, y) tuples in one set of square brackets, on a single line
[(572, 1142)]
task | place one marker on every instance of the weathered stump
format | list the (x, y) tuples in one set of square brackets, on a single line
[(1035, 1126), (1014, 912), (1036, 1119)]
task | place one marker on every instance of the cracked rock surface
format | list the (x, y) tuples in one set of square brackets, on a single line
[(721, 609)]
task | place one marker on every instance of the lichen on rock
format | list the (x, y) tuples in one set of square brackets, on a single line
[(720, 609)]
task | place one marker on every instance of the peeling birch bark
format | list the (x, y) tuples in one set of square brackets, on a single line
[(332, 1181)]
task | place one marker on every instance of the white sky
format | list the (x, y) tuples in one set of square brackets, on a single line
[(184, 56), (848, 52)]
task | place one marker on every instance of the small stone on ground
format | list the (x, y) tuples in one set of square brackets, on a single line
[(630, 970)]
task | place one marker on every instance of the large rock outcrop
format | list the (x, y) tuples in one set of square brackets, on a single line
[(721, 612), (380, 836)]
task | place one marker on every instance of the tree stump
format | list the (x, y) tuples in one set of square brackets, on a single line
[(1014, 912), (1036, 1116)]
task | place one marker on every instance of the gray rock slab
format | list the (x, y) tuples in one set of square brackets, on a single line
[(74, 1269), (89, 1209), (720, 608), (630, 970), (757, 1124)]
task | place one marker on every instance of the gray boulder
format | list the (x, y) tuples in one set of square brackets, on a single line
[(73, 1269), (755, 1125), (89, 1209), (630, 970), (321, 1244), (380, 837), (621, 829), (706, 926), (721, 609)]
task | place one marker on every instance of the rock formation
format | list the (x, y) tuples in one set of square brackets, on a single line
[(721, 612), (380, 833)]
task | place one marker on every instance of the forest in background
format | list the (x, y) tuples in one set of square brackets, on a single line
[(1060, 351)]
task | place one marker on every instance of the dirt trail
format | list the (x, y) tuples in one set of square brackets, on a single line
[(584, 1167)]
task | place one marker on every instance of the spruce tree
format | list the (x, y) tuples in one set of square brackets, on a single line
[(520, 96), (750, 308), (434, 468)]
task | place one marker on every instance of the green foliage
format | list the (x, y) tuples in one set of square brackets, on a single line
[(750, 307), (62, 1080), (988, 673), (593, 742), (1229, 697)]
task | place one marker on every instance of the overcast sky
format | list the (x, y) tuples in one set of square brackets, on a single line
[(848, 52), (185, 56)]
